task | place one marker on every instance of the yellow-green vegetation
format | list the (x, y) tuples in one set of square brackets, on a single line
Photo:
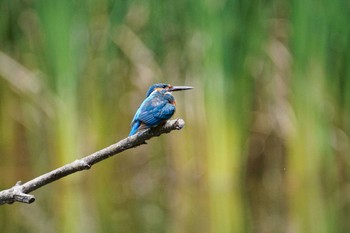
[(266, 145)]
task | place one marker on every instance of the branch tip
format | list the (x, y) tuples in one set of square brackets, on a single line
[(179, 124)]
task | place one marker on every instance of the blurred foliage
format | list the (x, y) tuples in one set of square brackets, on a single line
[(266, 146)]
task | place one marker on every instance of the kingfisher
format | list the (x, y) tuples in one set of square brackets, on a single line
[(158, 107)]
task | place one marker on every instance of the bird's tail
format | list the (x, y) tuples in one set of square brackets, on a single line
[(135, 127)]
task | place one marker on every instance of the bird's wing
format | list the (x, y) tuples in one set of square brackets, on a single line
[(166, 112), (143, 107), (155, 110)]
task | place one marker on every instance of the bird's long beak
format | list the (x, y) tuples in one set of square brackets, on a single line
[(179, 88)]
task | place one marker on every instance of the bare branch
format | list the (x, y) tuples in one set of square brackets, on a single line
[(19, 192)]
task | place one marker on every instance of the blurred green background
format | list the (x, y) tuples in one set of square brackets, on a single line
[(266, 144)]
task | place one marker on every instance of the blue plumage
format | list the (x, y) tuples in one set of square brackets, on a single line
[(158, 107)]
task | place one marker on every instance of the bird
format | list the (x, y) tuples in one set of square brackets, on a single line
[(158, 107)]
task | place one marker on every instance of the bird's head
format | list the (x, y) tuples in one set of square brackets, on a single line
[(167, 87)]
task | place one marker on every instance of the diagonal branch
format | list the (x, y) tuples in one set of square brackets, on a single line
[(19, 192)]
